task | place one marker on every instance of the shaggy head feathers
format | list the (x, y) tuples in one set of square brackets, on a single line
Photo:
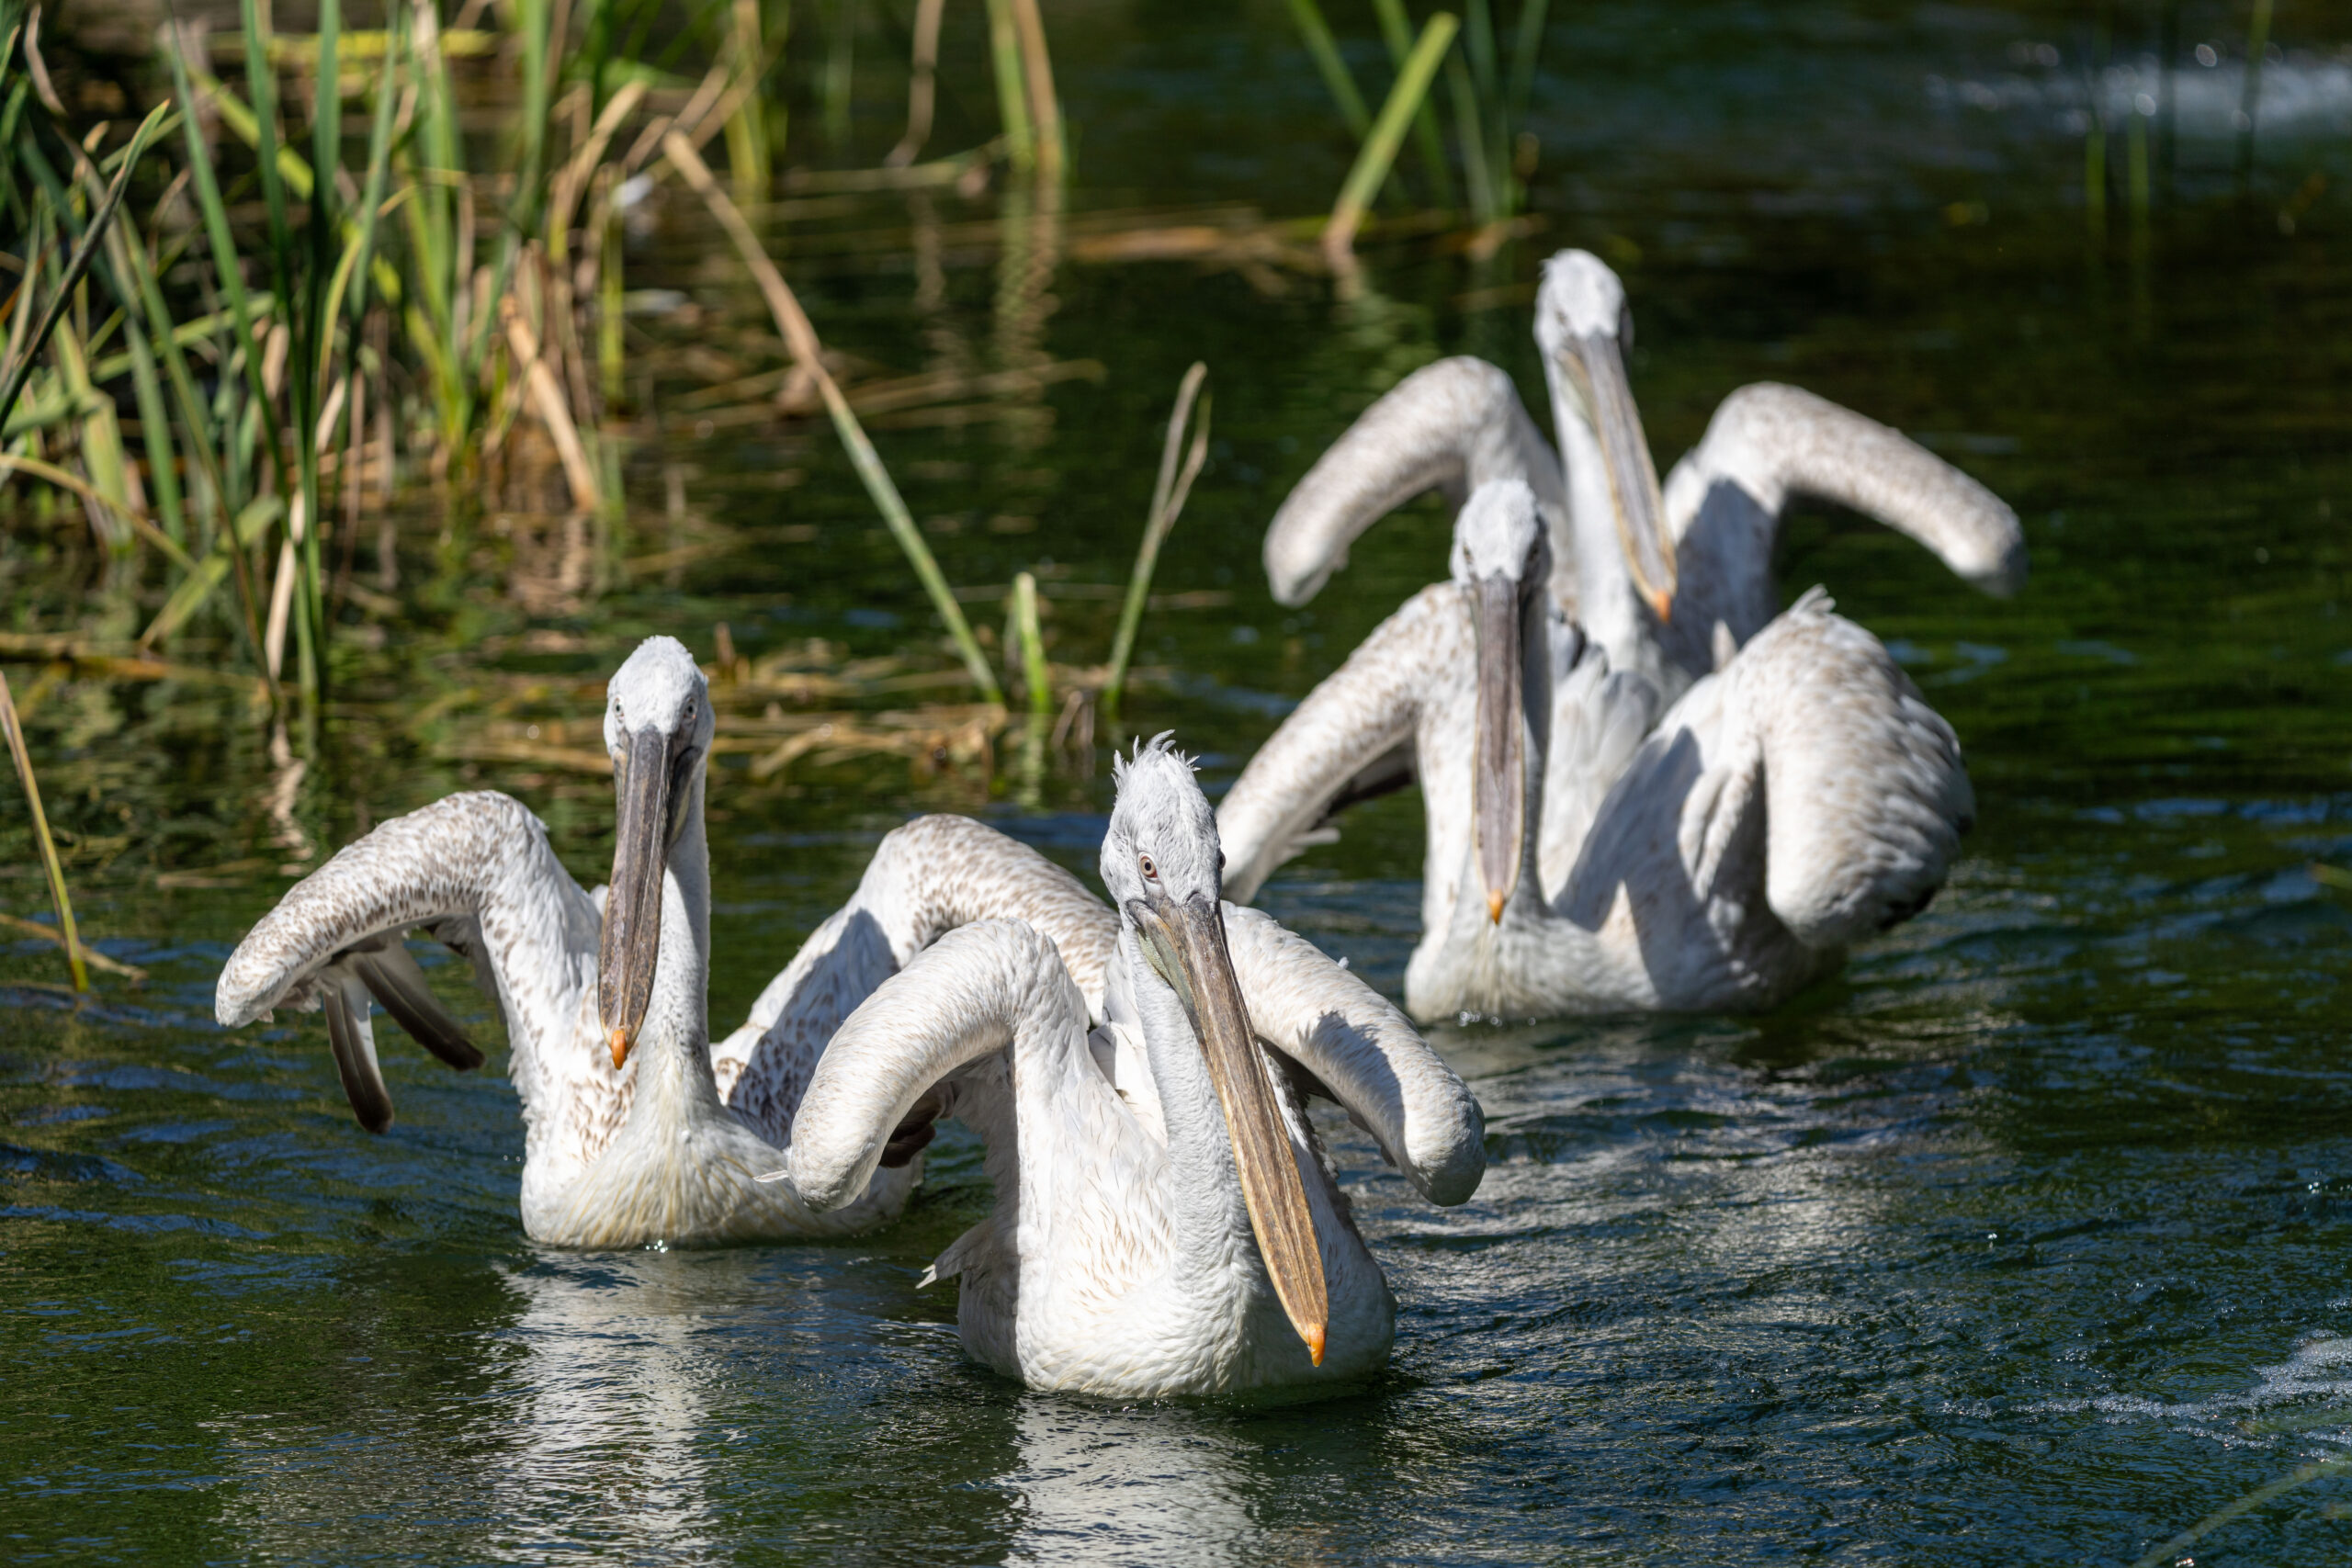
[(1163, 835)]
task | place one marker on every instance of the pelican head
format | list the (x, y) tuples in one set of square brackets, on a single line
[(1584, 328), (1164, 871), (657, 726), (1498, 559)]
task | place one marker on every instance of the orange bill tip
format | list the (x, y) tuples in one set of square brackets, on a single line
[(618, 1040), (1663, 602), (1495, 907), (1314, 1338)]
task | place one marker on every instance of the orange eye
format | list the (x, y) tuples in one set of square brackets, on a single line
[(1150, 872)]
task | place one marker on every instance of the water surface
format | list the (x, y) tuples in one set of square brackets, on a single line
[(2026, 1239)]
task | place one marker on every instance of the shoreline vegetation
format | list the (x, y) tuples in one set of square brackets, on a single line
[(262, 334)]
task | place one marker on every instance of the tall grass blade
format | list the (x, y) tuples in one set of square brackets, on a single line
[(610, 351), (1396, 32), (85, 252), (1167, 496), (326, 130), (2172, 1551), (1477, 169), (791, 322), (747, 131), (1011, 89), (226, 269), (379, 166), (1317, 35), (922, 85), (1527, 43), (57, 894), (1380, 148), (1045, 106), (1032, 643), (154, 421)]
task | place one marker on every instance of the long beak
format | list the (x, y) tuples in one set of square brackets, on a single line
[(632, 933), (1185, 943), (1632, 477), (1499, 786)]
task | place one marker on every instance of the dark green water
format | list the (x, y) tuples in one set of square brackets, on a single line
[(2029, 1239)]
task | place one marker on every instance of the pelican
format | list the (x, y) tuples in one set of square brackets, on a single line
[(1631, 561), (1624, 813), (1166, 1223), (636, 1130)]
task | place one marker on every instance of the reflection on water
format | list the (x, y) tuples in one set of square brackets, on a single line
[(2023, 1239), (612, 1439), (1167, 1485)]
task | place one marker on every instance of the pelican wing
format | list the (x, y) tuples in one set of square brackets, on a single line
[(929, 877), (1448, 426), (1363, 1050), (964, 997), (476, 872), (1775, 442), (1349, 730), (1865, 797)]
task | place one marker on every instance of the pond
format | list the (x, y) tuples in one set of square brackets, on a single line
[(2028, 1238)]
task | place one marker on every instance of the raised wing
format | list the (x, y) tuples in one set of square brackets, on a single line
[(929, 877), (1776, 442), (1364, 1051), (978, 989), (1346, 731), (476, 872), (1450, 427)]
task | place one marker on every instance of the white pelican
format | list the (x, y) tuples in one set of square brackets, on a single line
[(1718, 853), (622, 1146), (1801, 798), (1700, 552), (1165, 1221)]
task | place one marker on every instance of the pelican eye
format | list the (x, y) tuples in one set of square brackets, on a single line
[(1150, 872)]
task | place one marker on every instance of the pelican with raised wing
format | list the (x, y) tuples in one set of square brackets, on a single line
[(1671, 580), (636, 1130), (1580, 859), (1166, 1223), (1646, 788)]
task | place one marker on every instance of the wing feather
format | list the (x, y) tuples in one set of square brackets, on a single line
[(1365, 1052), (1348, 725)]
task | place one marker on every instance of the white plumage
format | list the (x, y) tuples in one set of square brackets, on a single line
[(664, 1148), (1128, 1252), (1713, 799)]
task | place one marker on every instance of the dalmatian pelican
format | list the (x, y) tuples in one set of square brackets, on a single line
[(1166, 1222), (1646, 788)]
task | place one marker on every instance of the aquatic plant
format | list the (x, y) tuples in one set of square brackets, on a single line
[(66, 936), (1167, 496), (1488, 91), (449, 306)]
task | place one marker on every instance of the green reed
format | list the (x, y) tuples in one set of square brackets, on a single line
[(332, 241), (1490, 83), (1168, 497), (1379, 151), (68, 938)]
